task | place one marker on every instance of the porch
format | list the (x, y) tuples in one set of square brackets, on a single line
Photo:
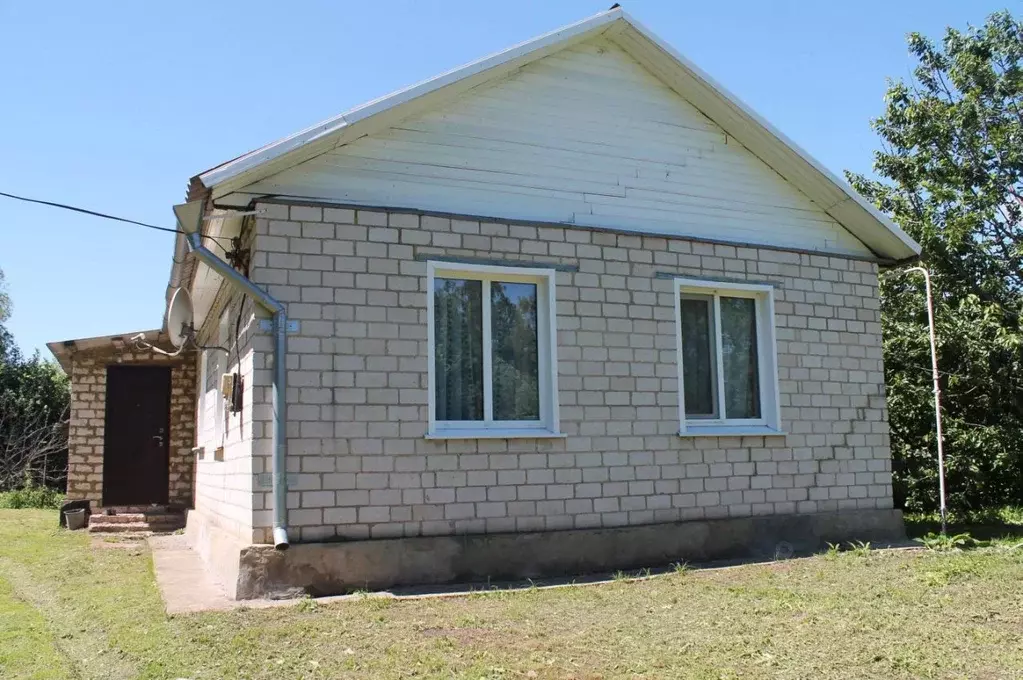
[(132, 428)]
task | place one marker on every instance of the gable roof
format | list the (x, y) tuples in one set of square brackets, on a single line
[(882, 236)]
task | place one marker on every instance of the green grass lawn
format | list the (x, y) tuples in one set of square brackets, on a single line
[(71, 610)]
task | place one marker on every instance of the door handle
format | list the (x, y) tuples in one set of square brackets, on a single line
[(158, 439)]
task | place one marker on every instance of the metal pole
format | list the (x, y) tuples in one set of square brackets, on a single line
[(280, 437), (937, 396)]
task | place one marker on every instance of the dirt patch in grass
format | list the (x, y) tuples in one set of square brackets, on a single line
[(118, 542), (463, 636), (883, 614)]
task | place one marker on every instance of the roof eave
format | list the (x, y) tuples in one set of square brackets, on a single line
[(64, 350)]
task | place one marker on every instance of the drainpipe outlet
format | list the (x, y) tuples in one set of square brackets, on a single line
[(281, 538)]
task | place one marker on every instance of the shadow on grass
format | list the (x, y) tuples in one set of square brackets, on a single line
[(986, 526), (498, 587)]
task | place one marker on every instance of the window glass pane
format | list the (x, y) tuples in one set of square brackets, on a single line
[(739, 356), (458, 350), (516, 365), (211, 371), (698, 377)]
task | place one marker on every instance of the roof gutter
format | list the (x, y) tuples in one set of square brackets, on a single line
[(279, 403), (903, 262)]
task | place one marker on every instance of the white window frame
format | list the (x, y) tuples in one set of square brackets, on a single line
[(549, 424), (767, 357)]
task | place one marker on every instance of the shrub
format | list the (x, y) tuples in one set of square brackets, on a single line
[(942, 542), (31, 497)]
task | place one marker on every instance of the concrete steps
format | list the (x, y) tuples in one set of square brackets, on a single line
[(129, 521)]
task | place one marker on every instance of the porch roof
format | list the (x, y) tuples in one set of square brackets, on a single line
[(63, 350)]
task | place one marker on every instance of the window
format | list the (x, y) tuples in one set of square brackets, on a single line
[(204, 360), (213, 365), (220, 410), (493, 364), (728, 376)]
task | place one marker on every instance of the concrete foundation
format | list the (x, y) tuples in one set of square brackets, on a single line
[(259, 571)]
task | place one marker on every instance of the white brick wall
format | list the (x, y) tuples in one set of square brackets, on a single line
[(224, 484), (359, 465)]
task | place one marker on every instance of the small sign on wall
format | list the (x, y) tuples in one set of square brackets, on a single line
[(267, 325), (265, 480)]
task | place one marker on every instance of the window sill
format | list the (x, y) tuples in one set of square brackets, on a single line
[(730, 431), (510, 433)]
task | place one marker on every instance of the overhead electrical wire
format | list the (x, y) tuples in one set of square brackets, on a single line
[(86, 211)]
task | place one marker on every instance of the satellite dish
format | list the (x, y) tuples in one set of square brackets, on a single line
[(179, 318)]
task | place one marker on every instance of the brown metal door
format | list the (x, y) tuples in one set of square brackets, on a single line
[(135, 452)]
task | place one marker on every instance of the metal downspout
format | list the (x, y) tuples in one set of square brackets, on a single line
[(280, 327)]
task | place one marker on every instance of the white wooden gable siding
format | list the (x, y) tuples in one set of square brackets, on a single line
[(585, 136)]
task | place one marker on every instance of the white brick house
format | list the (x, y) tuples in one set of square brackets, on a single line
[(569, 307)]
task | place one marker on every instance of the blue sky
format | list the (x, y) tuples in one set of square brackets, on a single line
[(113, 106)]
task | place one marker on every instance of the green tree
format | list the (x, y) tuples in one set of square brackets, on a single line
[(5, 299), (34, 401), (951, 174)]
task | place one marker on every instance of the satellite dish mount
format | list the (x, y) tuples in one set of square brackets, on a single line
[(180, 327)]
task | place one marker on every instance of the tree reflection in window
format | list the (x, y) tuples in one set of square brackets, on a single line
[(515, 358)]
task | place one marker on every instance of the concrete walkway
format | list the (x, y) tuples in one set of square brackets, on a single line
[(184, 583), (187, 587)]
